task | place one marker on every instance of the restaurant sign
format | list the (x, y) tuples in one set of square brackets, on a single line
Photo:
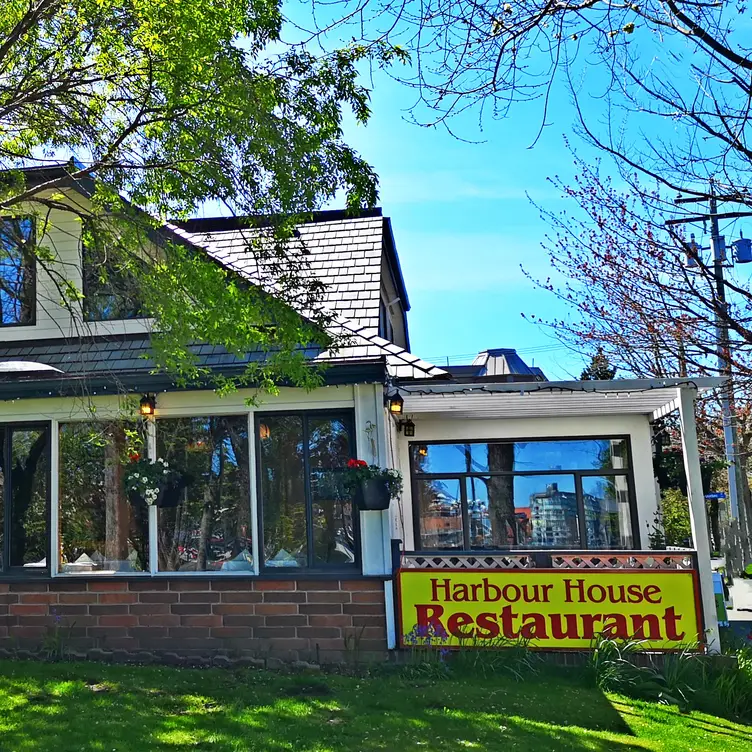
[(559, 609)]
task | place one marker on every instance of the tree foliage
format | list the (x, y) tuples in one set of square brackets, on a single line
[(599, 368), (168, 105)]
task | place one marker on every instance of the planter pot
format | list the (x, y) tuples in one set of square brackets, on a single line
[(372, 495)]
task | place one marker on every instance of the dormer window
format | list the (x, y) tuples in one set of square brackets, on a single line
[(110, 288), (17, 278), (386, 330)]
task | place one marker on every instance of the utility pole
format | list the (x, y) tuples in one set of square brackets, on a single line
[(718, 249)]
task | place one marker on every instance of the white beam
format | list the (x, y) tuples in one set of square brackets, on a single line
[(697, 515)]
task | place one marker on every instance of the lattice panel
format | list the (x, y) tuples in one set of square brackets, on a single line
[(623, 561), (498, 561)]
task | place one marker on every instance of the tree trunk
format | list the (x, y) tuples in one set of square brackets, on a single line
[(501, 495), (117, 512)]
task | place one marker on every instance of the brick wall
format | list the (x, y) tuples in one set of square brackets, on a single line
[(201, 619)]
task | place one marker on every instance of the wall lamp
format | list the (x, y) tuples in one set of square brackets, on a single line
[(407, 427), (395, 403), (147, 405)]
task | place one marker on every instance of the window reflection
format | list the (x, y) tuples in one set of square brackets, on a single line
[(440, 514), (204, 523), (17, 301), (607, 513)]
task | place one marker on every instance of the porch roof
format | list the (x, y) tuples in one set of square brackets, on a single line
[(651, 397)]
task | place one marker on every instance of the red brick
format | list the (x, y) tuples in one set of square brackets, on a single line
[(193, 609), (118, 598), (159, 620), (320, 608), (180, 633), (111, 586), (274, 632), (68, 585), (71, 610), (368, 621), (329, 620), (185, 584), (107, 633), (4, 587), (277, 597), (331, 596), (8, 598), (76, 598), (148, 584), (233, 608), (264, 585), (373, 633), (118, 620), (286, 621), (26, 586), (362, 585), (276, 609), (232, 633), (364, 609), (201, 621), (109, 609), (232, 584), (158, 597), (146, 609), (39, 598), (30, 633), (199, 597), (321, 633), (22, 609), (372, 596), (309, 585), (148, 633), (242, 597), (287, 643), (232, 620)]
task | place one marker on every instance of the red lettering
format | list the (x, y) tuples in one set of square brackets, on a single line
[(443, 585), (491, 593), (670, 619), (507, 623), (488, 623), (511, 593), (533, 627), (635, 594), (579, 586), (617, 594), (455, 623), (558, 633), (638, 627), (588, 625), (652, 590), (429, 616), (601, 591), (615, 625)]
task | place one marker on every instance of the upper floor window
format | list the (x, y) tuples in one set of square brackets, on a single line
[(17, 284), (110, 288), (386, 330), (572, 494)]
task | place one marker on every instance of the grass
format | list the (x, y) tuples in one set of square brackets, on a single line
[(88, 707)]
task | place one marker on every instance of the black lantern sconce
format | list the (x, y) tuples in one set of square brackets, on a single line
[(395, 403), (148, 405), (407, 427)]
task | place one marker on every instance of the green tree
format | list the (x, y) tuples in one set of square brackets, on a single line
[(599, 368), (171, 104)]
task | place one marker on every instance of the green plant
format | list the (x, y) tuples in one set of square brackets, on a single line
[(56, 642), (359, 471), (352, 646), (500, 656), (146, 478)]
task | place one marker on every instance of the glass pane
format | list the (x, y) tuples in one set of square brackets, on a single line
[(440, 510), (607, 512), (16, 272), (332, 516), (204, 522), (2, 499), (283, 491), (28, 506), (101, 531), (522, 511), (521, 456)]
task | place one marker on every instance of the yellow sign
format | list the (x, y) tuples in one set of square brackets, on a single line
[(564, 609)]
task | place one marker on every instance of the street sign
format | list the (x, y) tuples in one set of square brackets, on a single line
[(715, 495)]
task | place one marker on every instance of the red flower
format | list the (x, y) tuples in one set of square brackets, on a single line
[(353, 464), (134, 456)]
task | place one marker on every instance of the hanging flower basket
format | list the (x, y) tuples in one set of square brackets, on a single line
[(372, 488), (153, 483)]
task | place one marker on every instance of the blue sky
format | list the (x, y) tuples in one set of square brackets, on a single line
[(464, 224)]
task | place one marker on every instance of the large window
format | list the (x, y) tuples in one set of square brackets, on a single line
[(100, 529), (206, 526), (24, 463), (17, 283), (307, 517), (523, 494), (111, 290)]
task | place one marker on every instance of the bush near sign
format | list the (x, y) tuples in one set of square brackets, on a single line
[(549, 609)]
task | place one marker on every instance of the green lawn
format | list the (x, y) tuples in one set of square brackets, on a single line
[(82, 707)]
